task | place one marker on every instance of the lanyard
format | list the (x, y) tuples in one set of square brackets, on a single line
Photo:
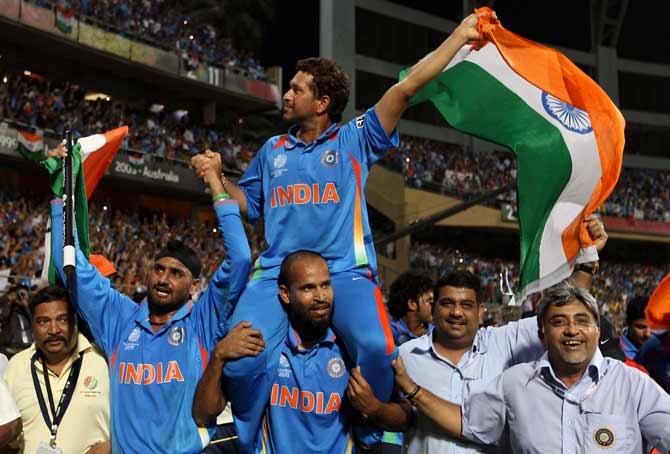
[(65, 398), (565, 394)]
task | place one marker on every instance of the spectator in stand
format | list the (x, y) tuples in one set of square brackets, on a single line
[(411, 306), (637, 330), (62, 362), (15, 326)]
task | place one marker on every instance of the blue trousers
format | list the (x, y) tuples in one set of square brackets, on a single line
[(359, 319)]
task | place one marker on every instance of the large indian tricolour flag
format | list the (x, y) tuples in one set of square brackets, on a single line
[(566, 133)]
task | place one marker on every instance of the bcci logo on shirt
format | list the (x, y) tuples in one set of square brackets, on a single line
[(279, 164), (336, 367), (330, 158), (604, 437), (176, 336)]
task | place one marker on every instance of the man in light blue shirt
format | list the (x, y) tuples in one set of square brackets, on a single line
[(571, 401), (458, 353)]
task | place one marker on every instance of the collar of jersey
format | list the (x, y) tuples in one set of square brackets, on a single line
[(594, 369), (294, 341), (292, 139), (142, 317)]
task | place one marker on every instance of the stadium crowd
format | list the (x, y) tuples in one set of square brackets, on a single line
[(451, 169), (613, 286), (49, 105), (164, 24)]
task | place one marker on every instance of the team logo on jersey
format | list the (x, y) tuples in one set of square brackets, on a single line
[(90, 383), (284, 369), (330, 158), (280, 160), (134, 335), (360, 121), (176, 336), (132, 342), (336, 367), (604, 437), (279, 164)]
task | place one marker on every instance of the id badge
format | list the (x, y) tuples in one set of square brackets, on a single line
[(44, 448)]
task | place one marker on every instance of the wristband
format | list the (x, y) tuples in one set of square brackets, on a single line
[(221, 196), (412, 394)]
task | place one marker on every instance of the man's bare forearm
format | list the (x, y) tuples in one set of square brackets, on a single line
[(236, 193), (430, 66), (209, 399), (9, 431), (393, 416), (443, 413)]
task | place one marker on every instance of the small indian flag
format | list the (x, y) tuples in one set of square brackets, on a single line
[(136, 160), (31, 145), (566, 133), (65, 20), (91, 156)]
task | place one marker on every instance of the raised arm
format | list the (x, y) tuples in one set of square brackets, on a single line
[(394, 102), (210, 400), (105, 309), (229, 280)]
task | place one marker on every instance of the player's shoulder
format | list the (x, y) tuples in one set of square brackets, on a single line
[(274, 143)]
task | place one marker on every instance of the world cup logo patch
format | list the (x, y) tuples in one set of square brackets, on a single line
[(176, 336), (604, 437), (336, 367), (330, 158), (90, 383)]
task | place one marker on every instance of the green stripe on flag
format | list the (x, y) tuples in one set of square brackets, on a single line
[(54, 167), (475, 102)]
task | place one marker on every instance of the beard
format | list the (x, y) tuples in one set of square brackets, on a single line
[(309, 328)]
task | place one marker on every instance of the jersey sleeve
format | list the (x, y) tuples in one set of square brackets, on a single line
[(373, 142), (518, 341), (483, 414), (104, 309), (218, 300), (251, 184), (8, 409)]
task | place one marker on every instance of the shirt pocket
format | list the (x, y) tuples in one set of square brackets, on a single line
[(608, 433)]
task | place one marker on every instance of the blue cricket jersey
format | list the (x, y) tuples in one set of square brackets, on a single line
[(153, 376), (307, 412), (655, 356), (312, 196)]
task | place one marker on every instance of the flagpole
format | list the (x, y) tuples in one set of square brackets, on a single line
[(69, 256)]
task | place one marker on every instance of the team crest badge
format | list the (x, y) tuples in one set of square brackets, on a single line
[(604, 437), (330, 158), (176, 336), (336, 367), (572, 118)]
